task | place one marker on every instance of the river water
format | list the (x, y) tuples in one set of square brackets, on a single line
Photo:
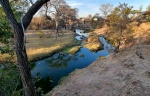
[(52, 69)]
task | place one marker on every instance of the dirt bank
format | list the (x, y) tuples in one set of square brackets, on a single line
[(126, 73), (123, 74)]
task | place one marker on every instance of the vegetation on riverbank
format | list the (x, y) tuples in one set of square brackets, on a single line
[(125, 66), (39, 48), (93, 43), (75, 49), (118, 71)]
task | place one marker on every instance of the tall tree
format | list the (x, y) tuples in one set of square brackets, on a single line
[(53, 10), (119, 21), (20, 48), (106, 9)]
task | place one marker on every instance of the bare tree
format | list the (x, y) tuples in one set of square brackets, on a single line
[(20, 49), (60, 12), (106, 9), (53, 10)]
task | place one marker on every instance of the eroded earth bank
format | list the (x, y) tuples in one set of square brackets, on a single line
[(126, 73)]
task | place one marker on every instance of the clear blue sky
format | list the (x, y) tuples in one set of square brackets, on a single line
[(87, 7)]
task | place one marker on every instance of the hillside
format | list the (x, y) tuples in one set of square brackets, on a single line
[(126, 73)]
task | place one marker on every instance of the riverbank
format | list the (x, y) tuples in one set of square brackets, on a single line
[(126, 73), (123, 74), (39, 48), (47, 45)]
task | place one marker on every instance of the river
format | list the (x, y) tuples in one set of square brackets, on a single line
[(52, 69)]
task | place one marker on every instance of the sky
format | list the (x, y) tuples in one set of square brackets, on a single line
[(87, 7)]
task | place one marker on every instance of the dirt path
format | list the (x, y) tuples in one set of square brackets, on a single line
[(124, 74)]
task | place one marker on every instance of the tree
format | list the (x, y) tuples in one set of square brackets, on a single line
[(119, 21), (148, 8), (106, 9), (61, 13), (55, 11), (20, 48)]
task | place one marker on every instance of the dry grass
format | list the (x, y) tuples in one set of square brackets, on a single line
[(93, 43), (142, 32), (74, 49), (39, 48), (93, 46)]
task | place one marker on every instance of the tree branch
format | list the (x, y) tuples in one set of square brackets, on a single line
[(34, 8), (31, 2)]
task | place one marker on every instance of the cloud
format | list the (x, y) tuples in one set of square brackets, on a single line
[(85, 7), (74, 3)]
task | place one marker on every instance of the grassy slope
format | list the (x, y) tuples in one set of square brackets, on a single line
[(38, 48)]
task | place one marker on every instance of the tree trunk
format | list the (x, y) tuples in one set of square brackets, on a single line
[(57, 28), (118, 46), (20, 49)]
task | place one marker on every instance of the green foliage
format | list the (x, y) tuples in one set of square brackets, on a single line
[(5, 34), (9, 81), (119, 21)]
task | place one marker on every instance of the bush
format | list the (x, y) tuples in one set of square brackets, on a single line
[(9, 81), (40, 34)]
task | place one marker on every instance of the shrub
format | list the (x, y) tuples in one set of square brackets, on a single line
[(40, 34)]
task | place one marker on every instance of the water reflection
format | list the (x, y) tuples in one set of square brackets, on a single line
[(81, 34), (60, 60), (106, 45), (61, 64)]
